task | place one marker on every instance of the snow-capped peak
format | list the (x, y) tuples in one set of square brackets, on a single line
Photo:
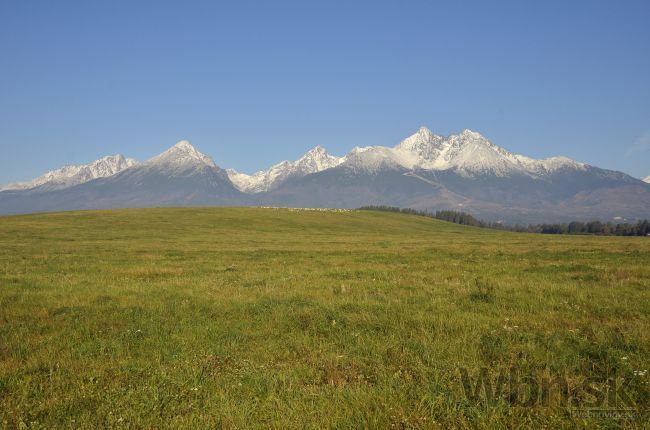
[(420, 147), (422, 138), (315, 160), (466, 150), (317, 150), (468, 153), (424, 134), (646, 179), (70, 175), (470, 134), (182, 154), (184, 144)]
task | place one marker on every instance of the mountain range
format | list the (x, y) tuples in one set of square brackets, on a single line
[(463, 171), (68, 176)]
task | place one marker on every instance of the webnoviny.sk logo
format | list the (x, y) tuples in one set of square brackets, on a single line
[(613, 396)]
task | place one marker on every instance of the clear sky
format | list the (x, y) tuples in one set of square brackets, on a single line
[(252, 83)]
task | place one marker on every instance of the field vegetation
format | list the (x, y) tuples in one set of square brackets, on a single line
[(276, 318)]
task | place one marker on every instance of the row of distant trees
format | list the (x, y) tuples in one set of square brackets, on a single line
[(641, 228)]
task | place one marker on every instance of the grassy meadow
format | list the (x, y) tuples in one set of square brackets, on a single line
[(276, 318)]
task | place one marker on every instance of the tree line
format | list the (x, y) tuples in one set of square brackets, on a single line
[(641, 228)]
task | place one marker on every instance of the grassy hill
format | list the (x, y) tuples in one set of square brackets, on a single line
[(244, 318)]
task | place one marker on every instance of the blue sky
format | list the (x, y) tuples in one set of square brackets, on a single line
[(252, 83)]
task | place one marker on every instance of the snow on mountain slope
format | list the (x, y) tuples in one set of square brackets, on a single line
[(68, 176), (423, 146), (551, 164), (180, 175), (180, 157), (467, 153), (260, 181), (646, 179), (372, 159), (315, 160)]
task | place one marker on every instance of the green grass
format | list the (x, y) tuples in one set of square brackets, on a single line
[(245, 318)]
